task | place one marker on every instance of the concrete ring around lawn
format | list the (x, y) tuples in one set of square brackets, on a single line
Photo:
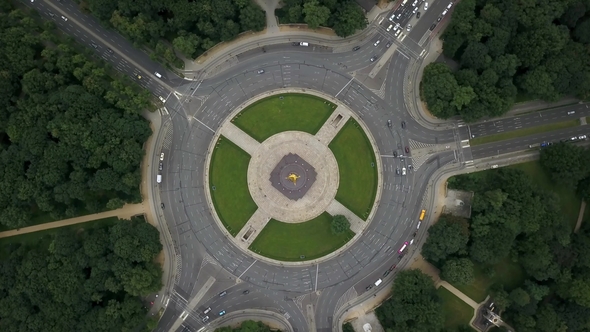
[(293, 178)]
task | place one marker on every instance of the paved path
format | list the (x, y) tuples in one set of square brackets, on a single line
[(269, 7), (126, 212), (580, 217)]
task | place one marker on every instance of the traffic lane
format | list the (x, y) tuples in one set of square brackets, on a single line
[(522, 143), (530, 120), (427, 18), (98, 34)]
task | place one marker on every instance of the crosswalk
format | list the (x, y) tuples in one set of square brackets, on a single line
[(419, 145), (167, 138)]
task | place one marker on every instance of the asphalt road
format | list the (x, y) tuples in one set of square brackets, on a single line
[(196, 109)]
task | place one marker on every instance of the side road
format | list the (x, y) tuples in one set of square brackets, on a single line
[(126, 212)]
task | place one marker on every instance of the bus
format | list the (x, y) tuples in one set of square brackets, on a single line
[(422, 215)]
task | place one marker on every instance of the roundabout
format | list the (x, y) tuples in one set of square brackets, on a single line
[(293, 177)]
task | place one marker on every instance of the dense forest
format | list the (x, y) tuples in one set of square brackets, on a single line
[(192, 27), (513, 219), (344, 16), (508, 50), (71, 137), (247, 326), (86, 282)]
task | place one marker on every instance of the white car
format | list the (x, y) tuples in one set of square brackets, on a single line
[(415, 10), (377, 43), (389, 27), (494, 166), (64, 18), (411, 241), (582, 137), (260, 71), (398, 32), (445, 12), (409, 27), (425, 6), (403, 247), (162, 99), (392, 18), (158, 75), (450, 5), (403, 171)]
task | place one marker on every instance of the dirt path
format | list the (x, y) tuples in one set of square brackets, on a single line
[(126, 212), (580, 216)]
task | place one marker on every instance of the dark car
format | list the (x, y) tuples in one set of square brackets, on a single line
[(386, 273), (432, 27), (439, 18), (388, 44), (368, 287), (109, 50), (246, 292), (392, 267), (394, 154), (404, 124), (418, 15), (389, 123), (356, 48), (373, 58), (407, 149)]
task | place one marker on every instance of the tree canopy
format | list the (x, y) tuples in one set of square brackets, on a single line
[(192, 27), (339, 224), (246, 326), (513, 218), (90, 281), (71, 137), (344, 16), (540, 49)]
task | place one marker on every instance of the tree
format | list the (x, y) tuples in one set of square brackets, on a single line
[(315, 14), (415, 305), (347, 327), (348, 19), (565, 163), (449, 236), (438, 90), (458, 271), (519, 297), (339, 224)]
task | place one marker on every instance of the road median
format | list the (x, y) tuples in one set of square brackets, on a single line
[(523, 132)]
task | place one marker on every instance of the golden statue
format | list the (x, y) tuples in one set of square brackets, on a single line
[(293, 178)]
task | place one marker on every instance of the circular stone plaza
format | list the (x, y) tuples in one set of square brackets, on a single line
[(281, 166)]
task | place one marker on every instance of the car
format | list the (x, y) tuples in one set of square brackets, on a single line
[(394, 154), (109, 50), (373, 58), (206, 318), (93, 45), (392, 18), (138, 77), (574, 138), (401, 158), (450, 5), (386, 273), (32, 1), (368, 287), (222, 312), (418, 15), (392, 267), (64, 18), (246, 292), (162, 156), (398, 32), (207, 310), (419, 223), (397, 171), (403, 247), (425, 6), (415, 10), (571, 112), (161, 166), (407, 149), (403, 124), (409, 27), (439, 18), (445, 12), (582, 137), (389, 27), (377, 43), (158, 75), (162, 99), (356, 48), (222, 294), (397, 26), (494, 166), (399, 16), (378, 282), (432, 27), (388, 45), (415, 3), (403, 171), (389, 123), (260, 71), (162, 205)]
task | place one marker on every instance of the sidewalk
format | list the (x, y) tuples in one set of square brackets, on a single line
[(126, 212)]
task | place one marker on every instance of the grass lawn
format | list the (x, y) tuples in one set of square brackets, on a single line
[(358, 169), (568, 200), (44, 237), (273, 115), (506, 272), (228, 175), (524, 132), (287, 242), (455, 311)]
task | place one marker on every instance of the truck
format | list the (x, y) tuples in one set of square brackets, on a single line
[(300, 44), (159, 178)]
